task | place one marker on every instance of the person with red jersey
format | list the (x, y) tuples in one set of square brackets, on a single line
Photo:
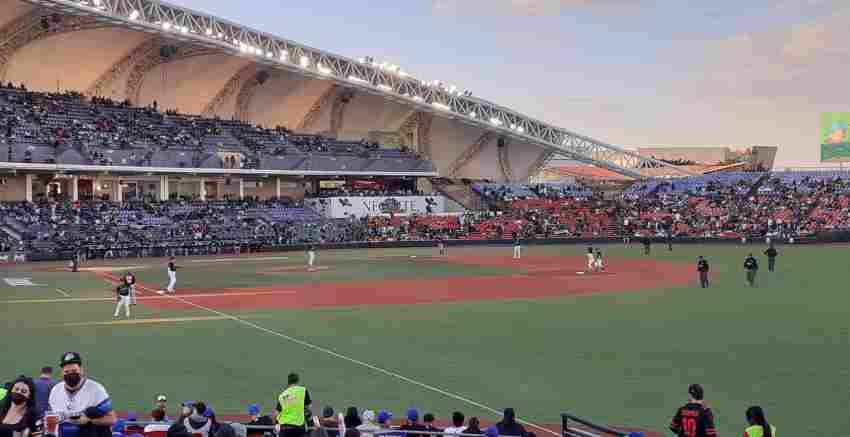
[(694, 419)]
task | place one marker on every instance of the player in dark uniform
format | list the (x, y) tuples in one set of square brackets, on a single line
[(647, 243), (771, 254), (702, 268), (123, 296), (751, 265), (694, 419), (517, 246)]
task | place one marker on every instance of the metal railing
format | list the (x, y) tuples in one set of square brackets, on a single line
[(266, 429), (589, 429)]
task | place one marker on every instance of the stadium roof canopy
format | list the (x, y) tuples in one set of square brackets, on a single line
[(434, 113)]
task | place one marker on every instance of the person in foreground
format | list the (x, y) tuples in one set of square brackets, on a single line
[(758, 424), (82, 402), (694, 419), (19, 415)]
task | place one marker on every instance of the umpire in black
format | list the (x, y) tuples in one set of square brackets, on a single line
[(702, 268), (771, 254), (751, 265)]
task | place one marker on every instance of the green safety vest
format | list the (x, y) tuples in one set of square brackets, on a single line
[(3, 393), (758, 431), (292, 406)]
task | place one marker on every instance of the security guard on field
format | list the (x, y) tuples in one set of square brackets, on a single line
[(291, 407)]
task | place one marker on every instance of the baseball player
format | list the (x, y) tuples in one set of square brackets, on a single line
[(441, 244), (172, 276), (517, 246), (598, 261), (591, 259), (130, 280), (311, 256), (123, 295)]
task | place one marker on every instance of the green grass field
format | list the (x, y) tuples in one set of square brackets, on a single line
[(621, 358)]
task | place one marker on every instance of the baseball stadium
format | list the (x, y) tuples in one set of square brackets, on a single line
[(195, 213)]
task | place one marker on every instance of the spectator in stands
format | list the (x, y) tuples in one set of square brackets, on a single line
[(429, 419), (329, 420), (239, 429), (474, 427), (509, 425), (457, 424), (368, 427), (256, 418), (186, 409), (158, 415), (43, 385), (201, 421), (412, 423), (385, 419), (694, 419), (19, 414), (225, 430), (84, 401), (160, 424), (161, 399), (758, 426), (352, 418), (178, 430), (291, 405)]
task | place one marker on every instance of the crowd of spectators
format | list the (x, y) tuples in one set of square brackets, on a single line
[(779, 205), (72, 129)]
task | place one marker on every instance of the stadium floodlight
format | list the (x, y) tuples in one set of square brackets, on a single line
[(362, 60), (209, 32), (323, 70), (284, 55), (521, 130), (418, 98), (354, 78), (134, 15), (269, 54), (385, 87), (495, 121), (473, 114), (442, 106), (166, 25), (184, 29), (220, 35), (305, 61), (258, 51), (513, 126)]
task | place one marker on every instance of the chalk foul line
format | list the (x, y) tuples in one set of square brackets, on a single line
[(361, 363)]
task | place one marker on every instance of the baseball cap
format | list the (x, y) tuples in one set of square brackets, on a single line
[(209, 412), (132, 416), (491, 432), (328, 412), (70, 358), (384, 416), (253, 409), (161, 398), (188, 404), (413, 414)]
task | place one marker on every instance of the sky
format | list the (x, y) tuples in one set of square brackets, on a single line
[(627, 72)]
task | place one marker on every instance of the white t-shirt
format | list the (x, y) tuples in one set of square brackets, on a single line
[(91, 394), (458, 430)]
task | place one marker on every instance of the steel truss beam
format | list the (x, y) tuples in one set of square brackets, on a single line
[(469, 153), (505, 163), (190, 26), (236, 82)]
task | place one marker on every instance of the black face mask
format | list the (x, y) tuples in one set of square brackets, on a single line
[(17, 398), (72, 379)]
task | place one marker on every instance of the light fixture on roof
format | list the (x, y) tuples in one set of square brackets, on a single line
[(442, 106), (134, 15), (305, 61), (166, 25), (269, 54), (418, 98), (184, 29), (521, 129), (284, 55), (354, 78), (322, 69), (495, 121), (385, 87), (402, 73), (513, 126), (209, 32), (220, 35), (473, 114)]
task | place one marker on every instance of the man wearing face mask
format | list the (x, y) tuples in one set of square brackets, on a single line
[(84, 404)]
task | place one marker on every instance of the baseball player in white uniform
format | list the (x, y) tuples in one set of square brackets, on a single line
[(591, 259), (311, 256), (123, 292), (598, 262), (517, 247), (130, 279), (172, 276)]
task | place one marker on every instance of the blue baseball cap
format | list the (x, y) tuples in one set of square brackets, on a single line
[(413, 414), (384, 416), (188, 404), (491, 432), (253, 409), (209, 412), (132, 416)]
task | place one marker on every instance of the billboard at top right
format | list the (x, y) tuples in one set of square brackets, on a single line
[(835, 137)]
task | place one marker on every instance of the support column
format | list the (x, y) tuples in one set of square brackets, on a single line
[(29, 188), (75, 188), (203, 190), (119, 193), (241, 189), (163, 188), (277, 188)]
